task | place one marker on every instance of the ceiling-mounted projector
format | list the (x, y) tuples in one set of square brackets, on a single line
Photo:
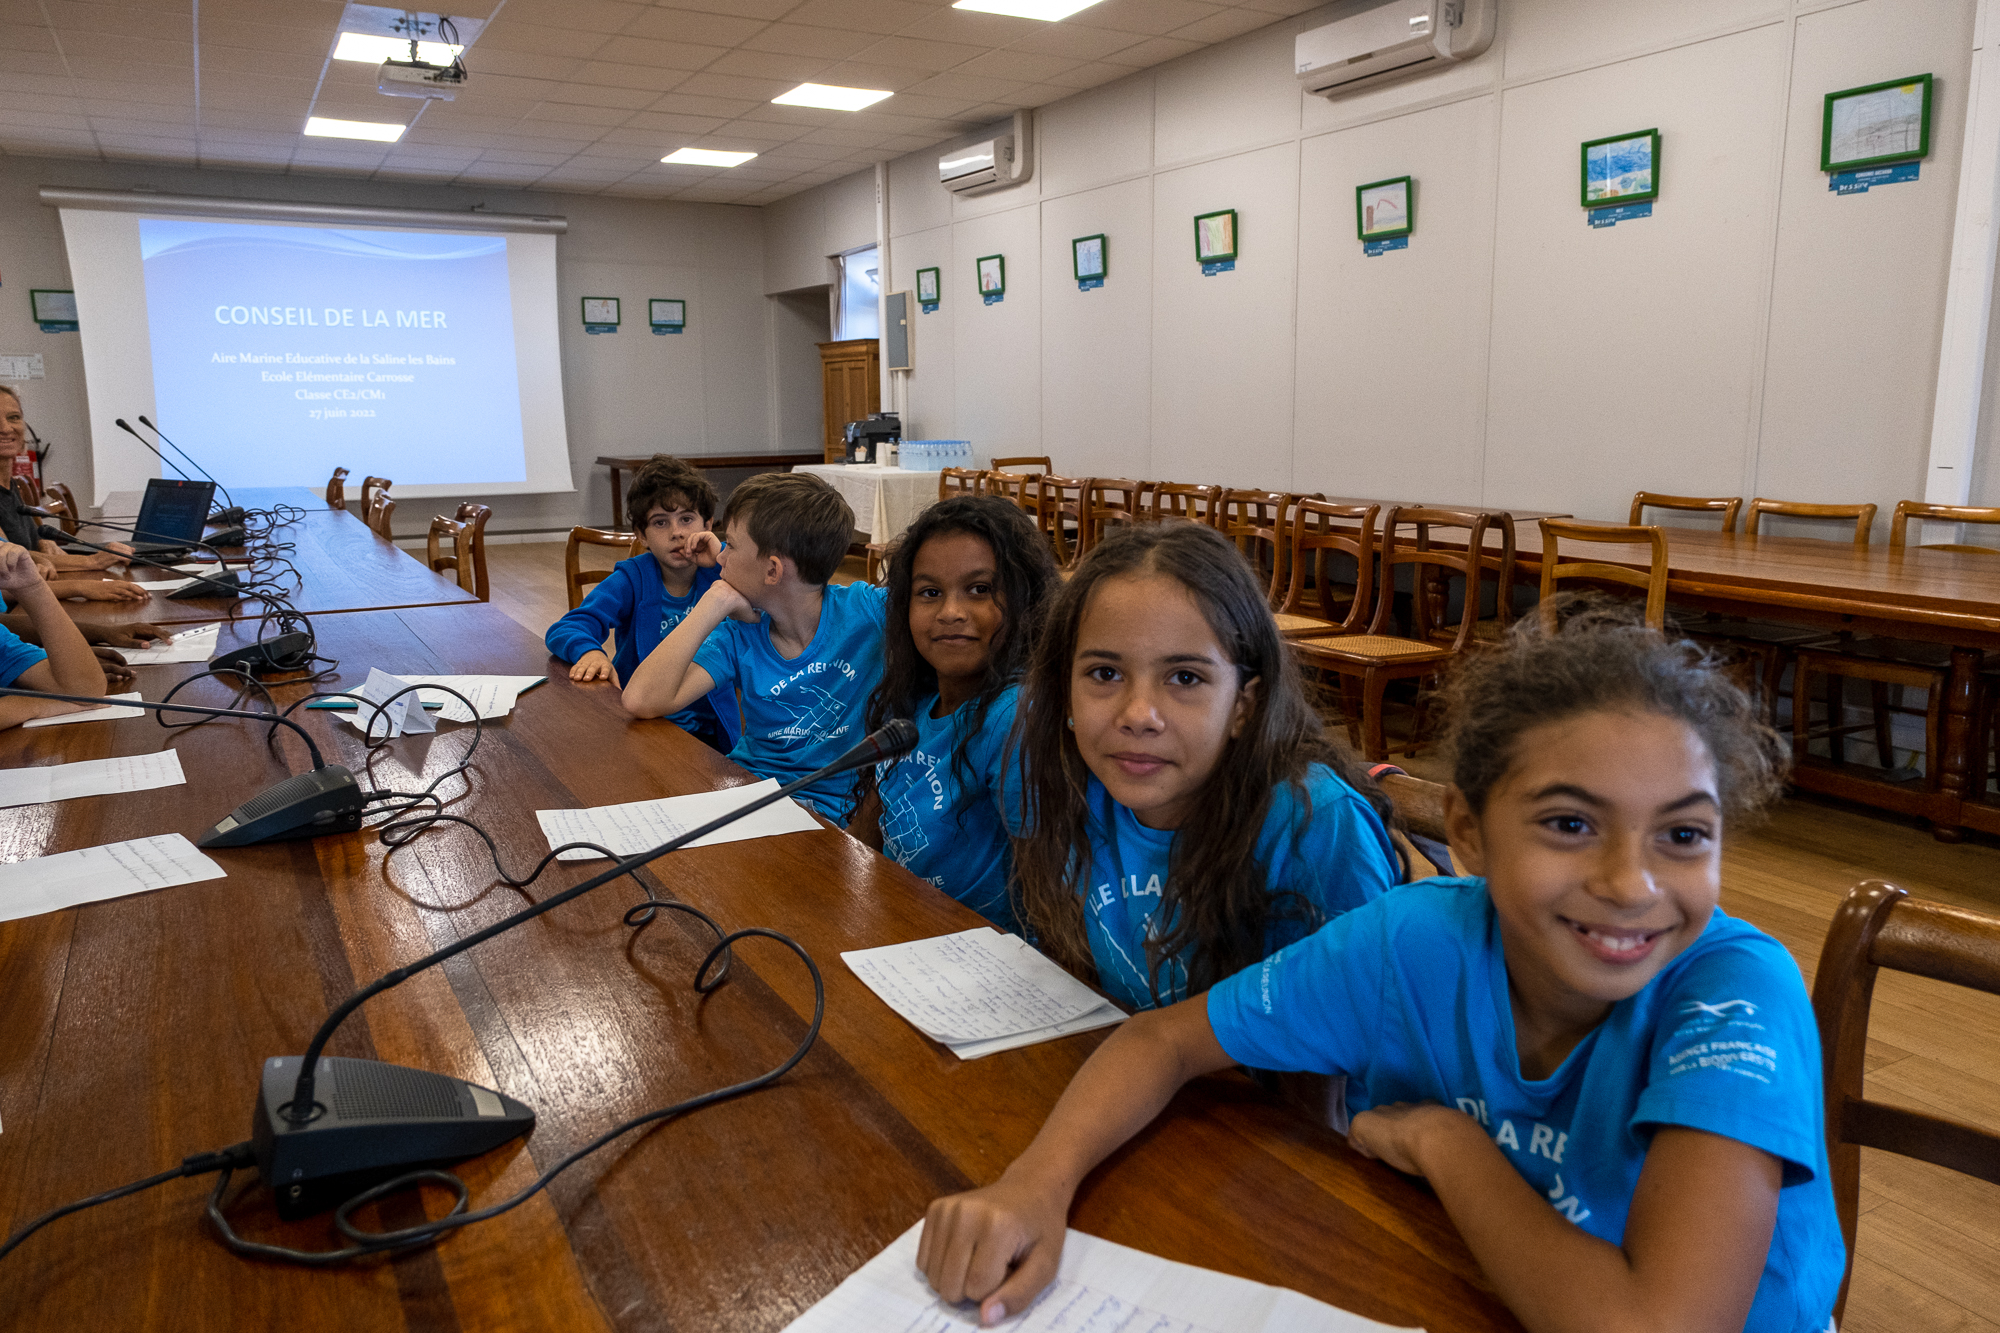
[(415, 78)]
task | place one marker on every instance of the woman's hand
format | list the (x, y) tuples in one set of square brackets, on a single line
[(999, 1246), (593, 665)]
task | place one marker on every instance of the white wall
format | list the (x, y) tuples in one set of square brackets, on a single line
[(1757, 335), (704, 391)]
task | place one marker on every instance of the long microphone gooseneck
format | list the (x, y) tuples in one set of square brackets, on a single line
[(898, 737), (126, 426), (229, 584), (131, 531), (277, 719), (233, 514)]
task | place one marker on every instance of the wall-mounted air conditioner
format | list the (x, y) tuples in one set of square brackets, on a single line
[(1394, 40), (991, 164)]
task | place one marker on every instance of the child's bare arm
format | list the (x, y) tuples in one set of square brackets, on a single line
[(1695, 1239), (1001, 1245), (668, 680), (71, 668)]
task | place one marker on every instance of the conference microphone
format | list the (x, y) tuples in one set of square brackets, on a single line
[(324, 1125), (226, 584), (126, 426), (233, 514), (326, 800)]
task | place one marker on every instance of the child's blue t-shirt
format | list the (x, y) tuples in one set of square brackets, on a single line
[(1326, 844), (633, 601), (941, 820), (802, 713), (16, 656), (1408, 999)]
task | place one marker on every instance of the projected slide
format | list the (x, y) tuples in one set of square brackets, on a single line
[(280, 351)]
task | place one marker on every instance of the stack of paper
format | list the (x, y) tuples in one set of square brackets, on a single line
[(92, 777), (190, 645), (1099, 1286), (980, 991), (629, 829), (109, 712), (51, 883)]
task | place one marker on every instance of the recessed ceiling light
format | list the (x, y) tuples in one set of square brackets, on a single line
[(832, 98), (373, 50), (706, 157), (1047, 10), (325, 128)]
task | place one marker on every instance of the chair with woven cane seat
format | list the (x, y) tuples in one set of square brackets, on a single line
[(575, 576), (1108, 502), (1368, 661), (1653, 582), (1320, 536), (1056, 505), (336, 489), (1259, 523), (1879, 925), (1183, 501), (1725, 505)]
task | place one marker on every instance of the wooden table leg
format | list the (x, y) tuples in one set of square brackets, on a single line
[(617, 501), (1954, 764)]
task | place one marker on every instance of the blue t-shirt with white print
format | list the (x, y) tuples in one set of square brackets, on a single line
[(1325, 844), (942, 827), (16, 656), (1408, 998), (803, 712)]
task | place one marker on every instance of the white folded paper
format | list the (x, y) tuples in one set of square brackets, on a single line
[(91, 777), (492, 696), (92, 874), (980, 991), (1100, 1285), (189, 645), (632, 828), (392, 719), (109, 712)]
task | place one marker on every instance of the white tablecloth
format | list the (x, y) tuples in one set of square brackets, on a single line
[(885, 500)]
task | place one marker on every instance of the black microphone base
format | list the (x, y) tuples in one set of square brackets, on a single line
[(226, 537), (290, 651), (326, 800), (375, 1121), (232, 516), (226, 586)]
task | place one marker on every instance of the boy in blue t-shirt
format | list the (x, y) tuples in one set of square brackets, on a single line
[(64, 664), (644, 597), (804, 654)]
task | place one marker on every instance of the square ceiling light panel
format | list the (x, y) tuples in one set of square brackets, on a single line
[(706, 157), (325, 127), (1046, 10), (372, 50), (830, 97)]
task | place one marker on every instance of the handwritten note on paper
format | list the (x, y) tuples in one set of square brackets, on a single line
[(1100, 1288), (190, 645), (634, 827), (111, 711), (972, 986), (92, 777), (92, 874)]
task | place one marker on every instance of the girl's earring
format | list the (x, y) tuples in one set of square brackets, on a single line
[(1070, 722)]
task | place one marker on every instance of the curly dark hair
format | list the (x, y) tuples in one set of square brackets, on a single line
[(1602, 656), (1217, 907), (797, 516), (667, 482)]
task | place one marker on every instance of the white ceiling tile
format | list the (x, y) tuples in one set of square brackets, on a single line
[(661, 122), (1023, 65), (504, 34), (756, 9), (564, 113), (33, 63), (46, 120), (661, 55), (883, 16), (483, 60), (1153, 17), (857, 74), (797, 40), (11, 99), (1088, 76), (735, 86), (1152, 51), (1067, 39), (683, 103), (684, 25), (120, 22), (646, 80), (1221, 27), (972, 28), (967, 87), (217, 59), (513, 158), (770, 65), (1281, 8), (605, 16)]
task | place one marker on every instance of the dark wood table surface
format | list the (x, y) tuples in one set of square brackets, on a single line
[(343, 566), (136, 1027), (620, 465)]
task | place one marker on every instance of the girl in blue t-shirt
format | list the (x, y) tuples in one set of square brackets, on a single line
[(1183, 815), (1613, 1087), (968, 583)]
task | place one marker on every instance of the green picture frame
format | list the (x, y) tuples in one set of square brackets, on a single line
[(1090, 258), (1381, 201), (1617, 169), (1875, 124), (596, 317), (57, 311), (933, 292), (990, 275), (1218, 243), (674, 314)]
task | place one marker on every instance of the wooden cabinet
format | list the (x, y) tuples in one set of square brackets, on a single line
[(852, 370)]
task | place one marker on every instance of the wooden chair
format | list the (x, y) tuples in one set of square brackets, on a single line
[(1319, 535), (60, 501), (467, 531), (370, 486), (1183, 501), (1259, 523), (1555, 569), (1879, 925), (27, 492), (1026, 460), (1727, 506), (1368, 661), (379, 512), (1108, 502), (1419, 807), (1908, 509), (336, 490), (575, 576), (1012, 487), (1863, 516), (1056, 504)]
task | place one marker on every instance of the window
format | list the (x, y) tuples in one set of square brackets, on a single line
[(860, 286)]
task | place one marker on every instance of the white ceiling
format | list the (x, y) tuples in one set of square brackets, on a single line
[(582, 96)]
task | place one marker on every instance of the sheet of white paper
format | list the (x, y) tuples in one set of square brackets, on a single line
[(1100, 1288), (977, 985), (1103, 1016), (91, 777), (110, 712), (190, 645), (404, 716), (197, 567), (631, 828), (165, 586), (92, 874), (493, 696)]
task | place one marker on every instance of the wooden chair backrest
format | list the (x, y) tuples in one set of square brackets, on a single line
[(1012, 487), (1879, 925), (1725, 505), (369, 487), (60, 501), (381, 509), (960, 481), (1863, 515), (1259, 523), (1108, 502), (1555, 570), (441, 531), (1909, 509), (1318, 533), (1057, 506), (27, 492), (472, 556), (336, 489), (575, 576), (1419, 804), (1432, 567), (1183, 500), (1026, 460)]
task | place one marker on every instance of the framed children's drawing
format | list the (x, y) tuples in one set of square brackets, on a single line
[(1876, 124), (1215, 236), (1089, 256), (992, 271), (1385, 209), (927, 286), (1621, 169)]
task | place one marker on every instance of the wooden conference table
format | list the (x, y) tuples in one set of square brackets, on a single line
[(136, 1029), (622, 464)]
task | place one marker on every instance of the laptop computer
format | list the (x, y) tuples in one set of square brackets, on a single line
[(171, 517)]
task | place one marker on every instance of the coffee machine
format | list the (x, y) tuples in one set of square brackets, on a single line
[(868, 440)]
